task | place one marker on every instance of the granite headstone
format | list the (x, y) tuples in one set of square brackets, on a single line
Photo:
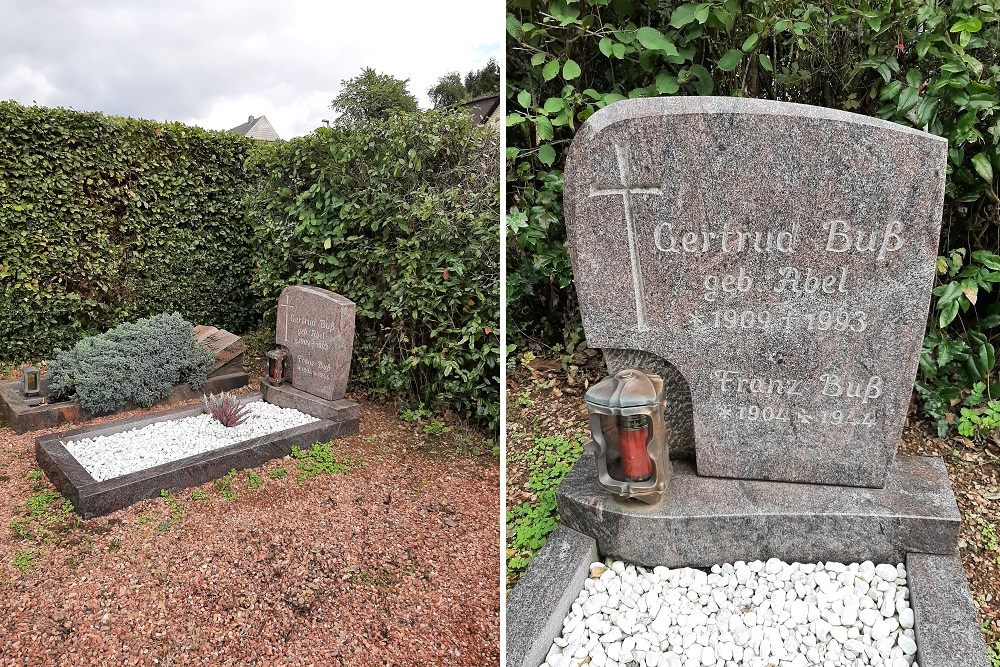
[(227, 347), (316, 326), (778, 256)]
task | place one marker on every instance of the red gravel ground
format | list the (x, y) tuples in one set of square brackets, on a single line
[(394, 562)]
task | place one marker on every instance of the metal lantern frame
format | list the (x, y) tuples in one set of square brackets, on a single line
[(648, 491), (276, 358), (31, 371)]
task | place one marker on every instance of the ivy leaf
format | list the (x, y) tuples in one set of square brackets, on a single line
[(651, 38), (524, 99), (981, 162), (619, 51), (666, 84), (571, 70), (543, 127), (547, 155), (554, 104), (605, 46), (682, 16), (551, 69), (730, 59), (948, 313)]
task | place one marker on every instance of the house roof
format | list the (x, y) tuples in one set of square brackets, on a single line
[(482, 108), (256, 128)]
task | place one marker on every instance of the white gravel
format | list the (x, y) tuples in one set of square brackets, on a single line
[(109, 456), (740, 615)]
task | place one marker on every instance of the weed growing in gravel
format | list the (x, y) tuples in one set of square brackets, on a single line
[(39, 503), (253, 480), (177, 513), (989, 535), (529, 524), (436, 429), (199, 495), (21, 529), (42, 516), (414, 416), (224, 485), (320, 459), (34, 475), (278, 473), (25, 560)]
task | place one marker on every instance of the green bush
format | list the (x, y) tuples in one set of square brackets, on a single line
[(108, 219), (924, 64), (399, 216), (138, 362)]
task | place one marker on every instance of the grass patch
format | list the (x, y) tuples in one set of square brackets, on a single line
[(253, 480), (25, 560), (320, 459), (529, 524), (224, 485)]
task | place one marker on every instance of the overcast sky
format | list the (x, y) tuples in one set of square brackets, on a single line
[(213, 63)]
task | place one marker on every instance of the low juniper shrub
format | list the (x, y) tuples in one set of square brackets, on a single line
[(137, 362)]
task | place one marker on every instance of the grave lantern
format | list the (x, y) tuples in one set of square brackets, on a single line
[(31, 381), (276, 367), (630, 439)]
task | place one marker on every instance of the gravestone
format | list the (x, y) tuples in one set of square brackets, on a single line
[(778, 257), (772, 262), (316, 327), (228, 348)]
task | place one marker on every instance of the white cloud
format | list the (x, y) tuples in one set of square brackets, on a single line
[(215, 63)]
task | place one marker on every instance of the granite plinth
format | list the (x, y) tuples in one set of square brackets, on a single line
[(944, 613), (23, 418), (542, 598), (92, 498), (779, 256), (287, 396), (703, 520)]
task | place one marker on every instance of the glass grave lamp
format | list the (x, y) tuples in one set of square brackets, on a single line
[(276, 366), (31, 382), (630, 438)]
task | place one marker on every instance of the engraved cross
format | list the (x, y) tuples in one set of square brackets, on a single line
[(626, 191), (288, 308)]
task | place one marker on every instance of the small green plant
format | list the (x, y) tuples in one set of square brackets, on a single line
[(174, 505), (436, 429), (226, 409), (412, 416), (40, 503), (320, 459), (199, 495), (34, 475), (976, 419), (25, 560), (278, 473), (529, 524), (21, 529), (224, 485), (254, 480), (137, 362)]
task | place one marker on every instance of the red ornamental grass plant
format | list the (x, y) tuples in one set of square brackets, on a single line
[(226, 409)]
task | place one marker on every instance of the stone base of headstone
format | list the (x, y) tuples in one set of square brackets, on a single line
[(92, 498), (287, 396), (23, 417), (707, 520)]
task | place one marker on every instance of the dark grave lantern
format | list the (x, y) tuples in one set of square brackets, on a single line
[(276, 367), (629, 431), (31, 382)]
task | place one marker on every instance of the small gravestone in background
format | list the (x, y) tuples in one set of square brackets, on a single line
[(779, 258), (228, 348), (316, 327)]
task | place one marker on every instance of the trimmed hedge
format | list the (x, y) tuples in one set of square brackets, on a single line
[(401, 216), (106, 219)]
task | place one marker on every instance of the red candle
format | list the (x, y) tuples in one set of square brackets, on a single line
[(633, 434)]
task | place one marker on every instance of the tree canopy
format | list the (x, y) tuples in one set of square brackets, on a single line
[(372, 96)]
